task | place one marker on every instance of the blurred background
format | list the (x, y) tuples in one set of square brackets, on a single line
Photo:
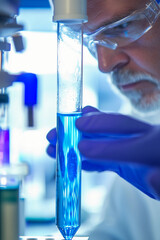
[(28, 144)]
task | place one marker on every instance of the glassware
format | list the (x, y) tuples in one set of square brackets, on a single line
[(4, 130), (69, 105)]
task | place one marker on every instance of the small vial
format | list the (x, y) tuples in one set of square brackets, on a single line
[(69, 105), (4, 130)]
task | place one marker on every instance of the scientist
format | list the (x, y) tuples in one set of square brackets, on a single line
[(125, 37)]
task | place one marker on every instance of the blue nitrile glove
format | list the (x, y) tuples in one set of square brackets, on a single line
[(135, 174), (120, 138), (122, 144)]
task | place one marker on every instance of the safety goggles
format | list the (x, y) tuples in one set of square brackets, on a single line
[(124, 31)]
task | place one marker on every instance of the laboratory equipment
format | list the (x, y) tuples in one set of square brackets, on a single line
[(4, 130), (30, 82), (9, 26), (11, 179), (69, 16), (11, 175), (48, 238), (9, 209)]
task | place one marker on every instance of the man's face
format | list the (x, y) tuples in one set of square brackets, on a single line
[(135, 68)]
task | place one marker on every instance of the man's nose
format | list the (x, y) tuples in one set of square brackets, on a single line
[(110, 60)]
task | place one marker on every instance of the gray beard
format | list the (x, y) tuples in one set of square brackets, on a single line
[(143, 104)]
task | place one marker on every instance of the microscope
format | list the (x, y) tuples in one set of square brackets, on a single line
[(9, 28)]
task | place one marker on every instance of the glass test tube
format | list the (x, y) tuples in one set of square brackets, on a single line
[(9, 184), (4, 130), (69, 104)]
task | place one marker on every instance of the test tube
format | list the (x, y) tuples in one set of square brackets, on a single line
[(69, 105), (4, 130)]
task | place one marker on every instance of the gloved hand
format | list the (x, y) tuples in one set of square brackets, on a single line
[(103, 132), (129, 146), (119, 138), (52, 138)]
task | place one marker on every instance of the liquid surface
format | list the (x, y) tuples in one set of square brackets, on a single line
[(68, 195)]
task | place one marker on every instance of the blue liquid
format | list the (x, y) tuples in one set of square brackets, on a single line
[(68, 186)]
